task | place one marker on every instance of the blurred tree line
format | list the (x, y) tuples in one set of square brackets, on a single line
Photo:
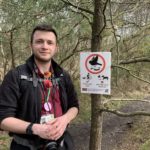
[(126, 33)]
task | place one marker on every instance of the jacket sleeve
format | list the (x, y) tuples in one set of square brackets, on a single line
[(72, 98), (9, 94)]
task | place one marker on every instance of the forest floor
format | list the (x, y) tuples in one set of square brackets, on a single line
[(119, 133)]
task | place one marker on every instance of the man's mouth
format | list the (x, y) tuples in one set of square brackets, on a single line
[(44, 53)]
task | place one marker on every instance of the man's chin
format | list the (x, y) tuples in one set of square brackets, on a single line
[(43, 60)]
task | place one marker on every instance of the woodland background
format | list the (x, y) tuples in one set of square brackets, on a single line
[(126, 34)]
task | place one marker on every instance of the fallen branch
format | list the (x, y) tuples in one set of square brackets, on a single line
[(130, 72), (110, 100), (77, 7), (135, 60), (123, 114)]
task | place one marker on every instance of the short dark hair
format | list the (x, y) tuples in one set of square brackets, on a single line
[(43, 27)]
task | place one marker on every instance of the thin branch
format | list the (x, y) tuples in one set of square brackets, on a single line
[(81, 13), (70, 55), (72, 29), (123, 114), (141, 100), (105, 6), (85, 16), (130, 72), (114, 30), (77, 7), (135, 60)]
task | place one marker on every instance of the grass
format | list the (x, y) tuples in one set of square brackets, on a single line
[(144, 133), (4, 141), (146, 145), (138, 137)]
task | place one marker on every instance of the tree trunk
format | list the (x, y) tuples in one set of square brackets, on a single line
[(12, 51), (96, 117), (96, 123)]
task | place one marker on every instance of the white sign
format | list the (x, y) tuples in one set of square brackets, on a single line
[(95, 72)]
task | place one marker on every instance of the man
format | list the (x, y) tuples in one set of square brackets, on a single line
[(37, 99)]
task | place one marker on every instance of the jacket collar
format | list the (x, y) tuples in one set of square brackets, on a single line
[(58, 71)]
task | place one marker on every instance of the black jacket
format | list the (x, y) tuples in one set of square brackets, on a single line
[(21, 98)]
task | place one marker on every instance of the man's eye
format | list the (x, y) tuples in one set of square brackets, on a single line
[(39, 41), (49, 42)]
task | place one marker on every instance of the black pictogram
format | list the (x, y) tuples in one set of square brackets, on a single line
[(88, 77), (95, 63)]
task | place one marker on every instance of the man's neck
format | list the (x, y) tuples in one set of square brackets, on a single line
[(43, 66)]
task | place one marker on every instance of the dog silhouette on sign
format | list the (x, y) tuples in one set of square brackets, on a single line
[(94, 63), (104, 77)]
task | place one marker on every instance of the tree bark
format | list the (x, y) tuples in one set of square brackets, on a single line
[(12, 51), (96, 123), (96, 102)]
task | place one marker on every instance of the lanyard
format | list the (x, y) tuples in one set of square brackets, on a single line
[(48, 95), (51, 90)]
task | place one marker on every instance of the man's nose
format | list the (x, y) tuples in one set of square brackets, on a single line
[(45, 45)]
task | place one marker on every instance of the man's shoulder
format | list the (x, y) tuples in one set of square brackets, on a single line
[(23, 68), (18, 71)]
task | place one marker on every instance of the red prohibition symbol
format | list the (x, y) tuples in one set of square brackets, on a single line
[(92, 62)]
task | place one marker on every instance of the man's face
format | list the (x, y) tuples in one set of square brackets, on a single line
[(44, 46)]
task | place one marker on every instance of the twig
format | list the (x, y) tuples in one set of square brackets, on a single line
[(141, 100), (123, 114), (130, 72), (77, 7), (135, 60)]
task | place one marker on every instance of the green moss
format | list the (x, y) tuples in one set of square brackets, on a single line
[(146, 145), (4, 141)]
